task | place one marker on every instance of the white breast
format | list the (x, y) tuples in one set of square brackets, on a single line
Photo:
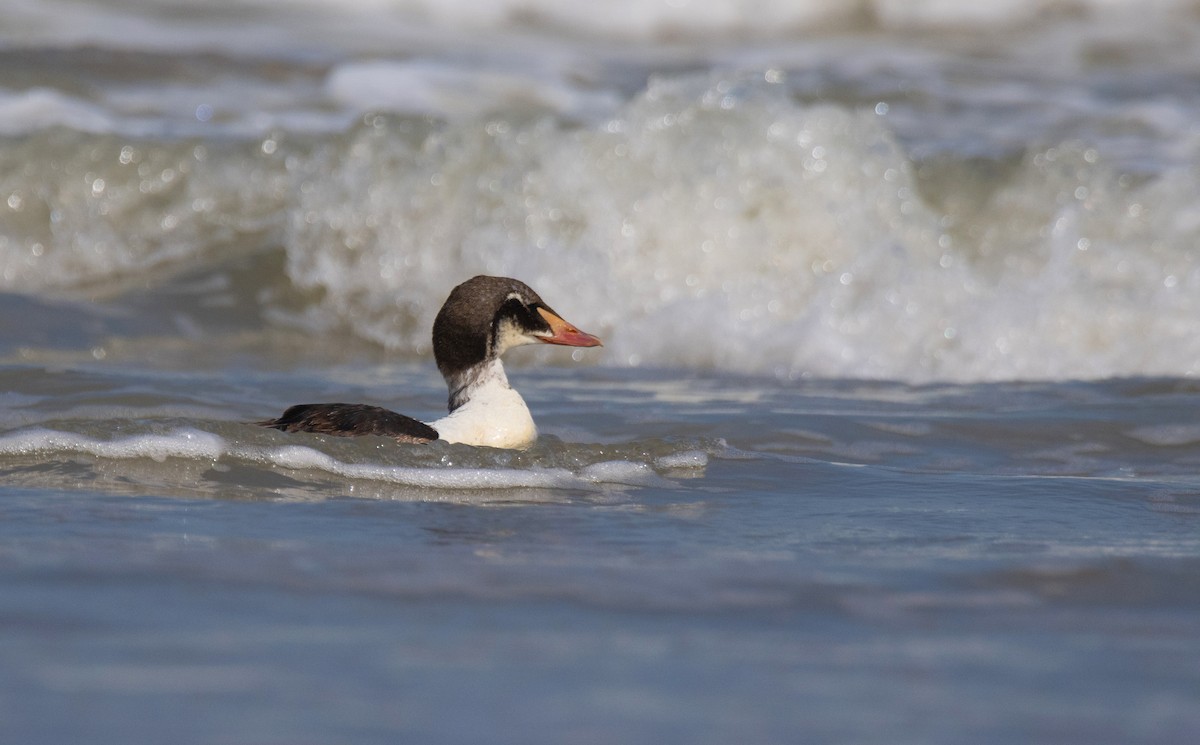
[(495, 416)]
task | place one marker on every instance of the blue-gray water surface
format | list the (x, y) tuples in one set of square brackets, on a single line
[(745, 561)]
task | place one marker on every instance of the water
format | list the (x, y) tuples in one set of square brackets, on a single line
[(893, 437)]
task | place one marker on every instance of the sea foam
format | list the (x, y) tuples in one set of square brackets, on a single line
[(379, 26), (203, 448), (767, 235), (765, 220)]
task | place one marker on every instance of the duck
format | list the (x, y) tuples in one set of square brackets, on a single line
[(480, 321)]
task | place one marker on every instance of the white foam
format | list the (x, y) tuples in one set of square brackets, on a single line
[(459, 91), (197, 445), (713, 221), (40, 108), (633, 19), (304, 458), (183, 443), (621, 472), (685, 459), (768, 237), (953, 13), (381, 26)]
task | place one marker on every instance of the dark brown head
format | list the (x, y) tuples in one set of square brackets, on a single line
[(486, 316)]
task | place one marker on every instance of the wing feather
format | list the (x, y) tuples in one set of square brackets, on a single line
[(351, 420)]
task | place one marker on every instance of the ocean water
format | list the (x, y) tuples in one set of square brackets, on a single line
[(894, 438)]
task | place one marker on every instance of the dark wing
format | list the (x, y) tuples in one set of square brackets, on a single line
[(351, 420)]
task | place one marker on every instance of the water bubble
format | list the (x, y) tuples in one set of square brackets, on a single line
[(204, 112), (881, 108)]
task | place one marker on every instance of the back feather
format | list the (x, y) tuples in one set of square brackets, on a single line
[(351, 420)]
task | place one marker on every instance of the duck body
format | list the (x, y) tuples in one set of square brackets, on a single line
[(482, 319)]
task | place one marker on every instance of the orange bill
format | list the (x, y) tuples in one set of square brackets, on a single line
[(564, 333)]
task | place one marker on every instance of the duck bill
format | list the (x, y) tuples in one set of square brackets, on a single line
[(564, 333)]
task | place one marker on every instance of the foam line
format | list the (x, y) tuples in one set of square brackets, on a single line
[(192, 444)]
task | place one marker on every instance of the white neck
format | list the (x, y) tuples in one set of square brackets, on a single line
[(486, 411)]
